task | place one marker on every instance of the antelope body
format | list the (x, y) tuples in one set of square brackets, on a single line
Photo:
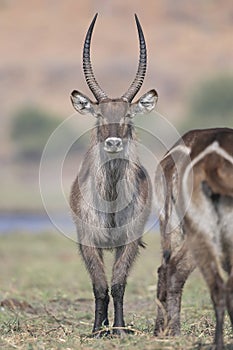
[(195, 183), (111, 196)]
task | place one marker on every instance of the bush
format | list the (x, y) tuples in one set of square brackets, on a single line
[(30, 131), (211, 104)]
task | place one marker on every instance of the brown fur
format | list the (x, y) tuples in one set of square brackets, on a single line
[(202, 235)]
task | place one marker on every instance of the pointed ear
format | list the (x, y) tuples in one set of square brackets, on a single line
[(83, 104), (145, 104)]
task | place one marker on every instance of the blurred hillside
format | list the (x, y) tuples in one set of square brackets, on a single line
[(41, 44), (41, 48)]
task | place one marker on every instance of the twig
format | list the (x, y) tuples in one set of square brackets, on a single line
[(49, 313), (9, 343), (108, 329)]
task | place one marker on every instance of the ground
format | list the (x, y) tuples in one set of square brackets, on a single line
[(47, 303)]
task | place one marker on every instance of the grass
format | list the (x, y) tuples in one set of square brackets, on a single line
[(47, 303)]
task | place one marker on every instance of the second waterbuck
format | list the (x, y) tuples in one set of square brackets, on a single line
[(111, 196), (194, 187)]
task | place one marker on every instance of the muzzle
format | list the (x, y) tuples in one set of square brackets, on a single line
[(113, 145)]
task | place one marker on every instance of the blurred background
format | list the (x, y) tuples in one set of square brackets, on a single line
[(190, 64)]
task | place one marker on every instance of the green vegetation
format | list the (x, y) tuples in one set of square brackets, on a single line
[(211, 104), (30, 130), (47, 303), (31, 127)]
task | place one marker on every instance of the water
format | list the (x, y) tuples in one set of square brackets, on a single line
[(36, 223)]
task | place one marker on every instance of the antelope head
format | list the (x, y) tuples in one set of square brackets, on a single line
[(114, 116)]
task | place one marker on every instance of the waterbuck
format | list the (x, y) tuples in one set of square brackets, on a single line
[(195, 184), (111, 196)]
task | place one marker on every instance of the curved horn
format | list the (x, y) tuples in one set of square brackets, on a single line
[(137, 83), (87, 68)]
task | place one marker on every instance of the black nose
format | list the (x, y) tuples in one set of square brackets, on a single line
[(113, 144)]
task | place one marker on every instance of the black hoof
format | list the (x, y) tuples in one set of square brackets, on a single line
[(159, 332), (101, 333), (121, 332)]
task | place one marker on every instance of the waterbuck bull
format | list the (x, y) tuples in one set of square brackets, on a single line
[(194, 185), (111, 196)]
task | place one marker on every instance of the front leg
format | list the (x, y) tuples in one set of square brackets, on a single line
[(117, 292), (101, 310), (94, 263), (125, 257)]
